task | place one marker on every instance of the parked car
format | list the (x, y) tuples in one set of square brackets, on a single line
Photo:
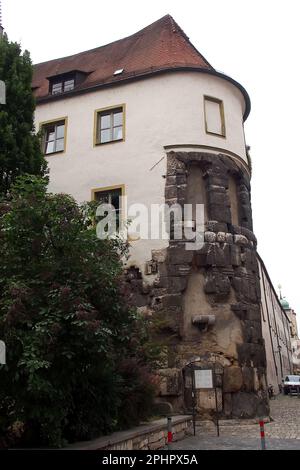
[(291, 384)]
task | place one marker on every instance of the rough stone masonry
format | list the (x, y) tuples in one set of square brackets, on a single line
[(220, 281)]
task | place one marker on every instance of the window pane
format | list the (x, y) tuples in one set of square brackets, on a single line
[(49, 147), (105, 121), (118, 119), (102, 196), (60, 131), (69, 85), (115, 199), (105, 136), (56, 88), (50, 134), (60, 145), (118, 133)]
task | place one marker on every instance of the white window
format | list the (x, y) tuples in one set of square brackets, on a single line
[(54, 137), (110, 125)]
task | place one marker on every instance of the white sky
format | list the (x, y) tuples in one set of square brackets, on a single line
[(257, 42)]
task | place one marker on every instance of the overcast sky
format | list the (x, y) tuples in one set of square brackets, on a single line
[(256, 42)]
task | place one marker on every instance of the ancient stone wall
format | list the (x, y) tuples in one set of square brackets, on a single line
[(219, 281)]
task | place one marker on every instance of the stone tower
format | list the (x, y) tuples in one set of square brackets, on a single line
[(210, 298), (183, 143)]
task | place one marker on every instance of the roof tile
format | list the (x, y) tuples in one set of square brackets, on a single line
[(161, 45)]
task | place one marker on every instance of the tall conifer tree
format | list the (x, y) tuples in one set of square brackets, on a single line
[(20, 150)]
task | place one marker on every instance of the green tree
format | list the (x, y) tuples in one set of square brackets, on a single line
[(76, 353), (20, 150)]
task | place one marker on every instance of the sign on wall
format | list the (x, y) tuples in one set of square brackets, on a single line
[(2, 353), (203, 378)]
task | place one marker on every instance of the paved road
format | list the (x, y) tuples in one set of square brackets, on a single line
[(282, 433)]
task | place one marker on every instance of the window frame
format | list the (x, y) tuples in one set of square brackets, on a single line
[(44, 124), (222, 116), (62, 82), (97, 121), (112, 188)]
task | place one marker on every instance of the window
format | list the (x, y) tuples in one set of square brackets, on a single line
[(62, 86), (54, 136), (214, 116), (110, 125), (111, 196)]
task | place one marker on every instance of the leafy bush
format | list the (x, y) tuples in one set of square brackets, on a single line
[(76, 361)]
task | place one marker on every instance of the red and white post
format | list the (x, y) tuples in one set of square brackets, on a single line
[(262, 435), (170, 434)]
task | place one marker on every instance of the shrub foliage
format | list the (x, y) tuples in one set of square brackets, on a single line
[(77, 356)]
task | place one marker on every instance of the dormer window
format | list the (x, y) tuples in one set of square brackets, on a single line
[(66, 82), (63, 86)]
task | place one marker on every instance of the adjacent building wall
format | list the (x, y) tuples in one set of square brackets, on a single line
[(276, 329)]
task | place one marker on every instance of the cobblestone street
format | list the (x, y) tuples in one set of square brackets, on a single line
[(283, 432)]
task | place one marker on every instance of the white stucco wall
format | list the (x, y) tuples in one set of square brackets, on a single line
[(160, 111)]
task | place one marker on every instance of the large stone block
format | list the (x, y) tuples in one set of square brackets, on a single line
[(251, 355), (217, 283), (233, 379), (244, 405), (227, 405), (250, 405), (220, 212), (248, 378), (180, 256), (218, 255), (177, 284)]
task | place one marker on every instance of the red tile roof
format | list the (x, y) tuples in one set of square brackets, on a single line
[(161, 46)]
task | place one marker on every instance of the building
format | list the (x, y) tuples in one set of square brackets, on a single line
[(148, 116), (295, 341), (277, 332)]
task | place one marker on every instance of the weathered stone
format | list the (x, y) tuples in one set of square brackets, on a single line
[(159, 255), (180, 179), (220, 212), (218, 255), (179, 270), (214, 226), (241, 240), (248, 379), (235, 255), (180, 256), (210, 237), (170, 180), (233, 379), (227, 405), (177, 284), (251, 355), (244, 405), (157, 445), (171, 300), (252, 332), (229, 238), (216, 283), (221, 237), (249, 234), (226, 270)]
